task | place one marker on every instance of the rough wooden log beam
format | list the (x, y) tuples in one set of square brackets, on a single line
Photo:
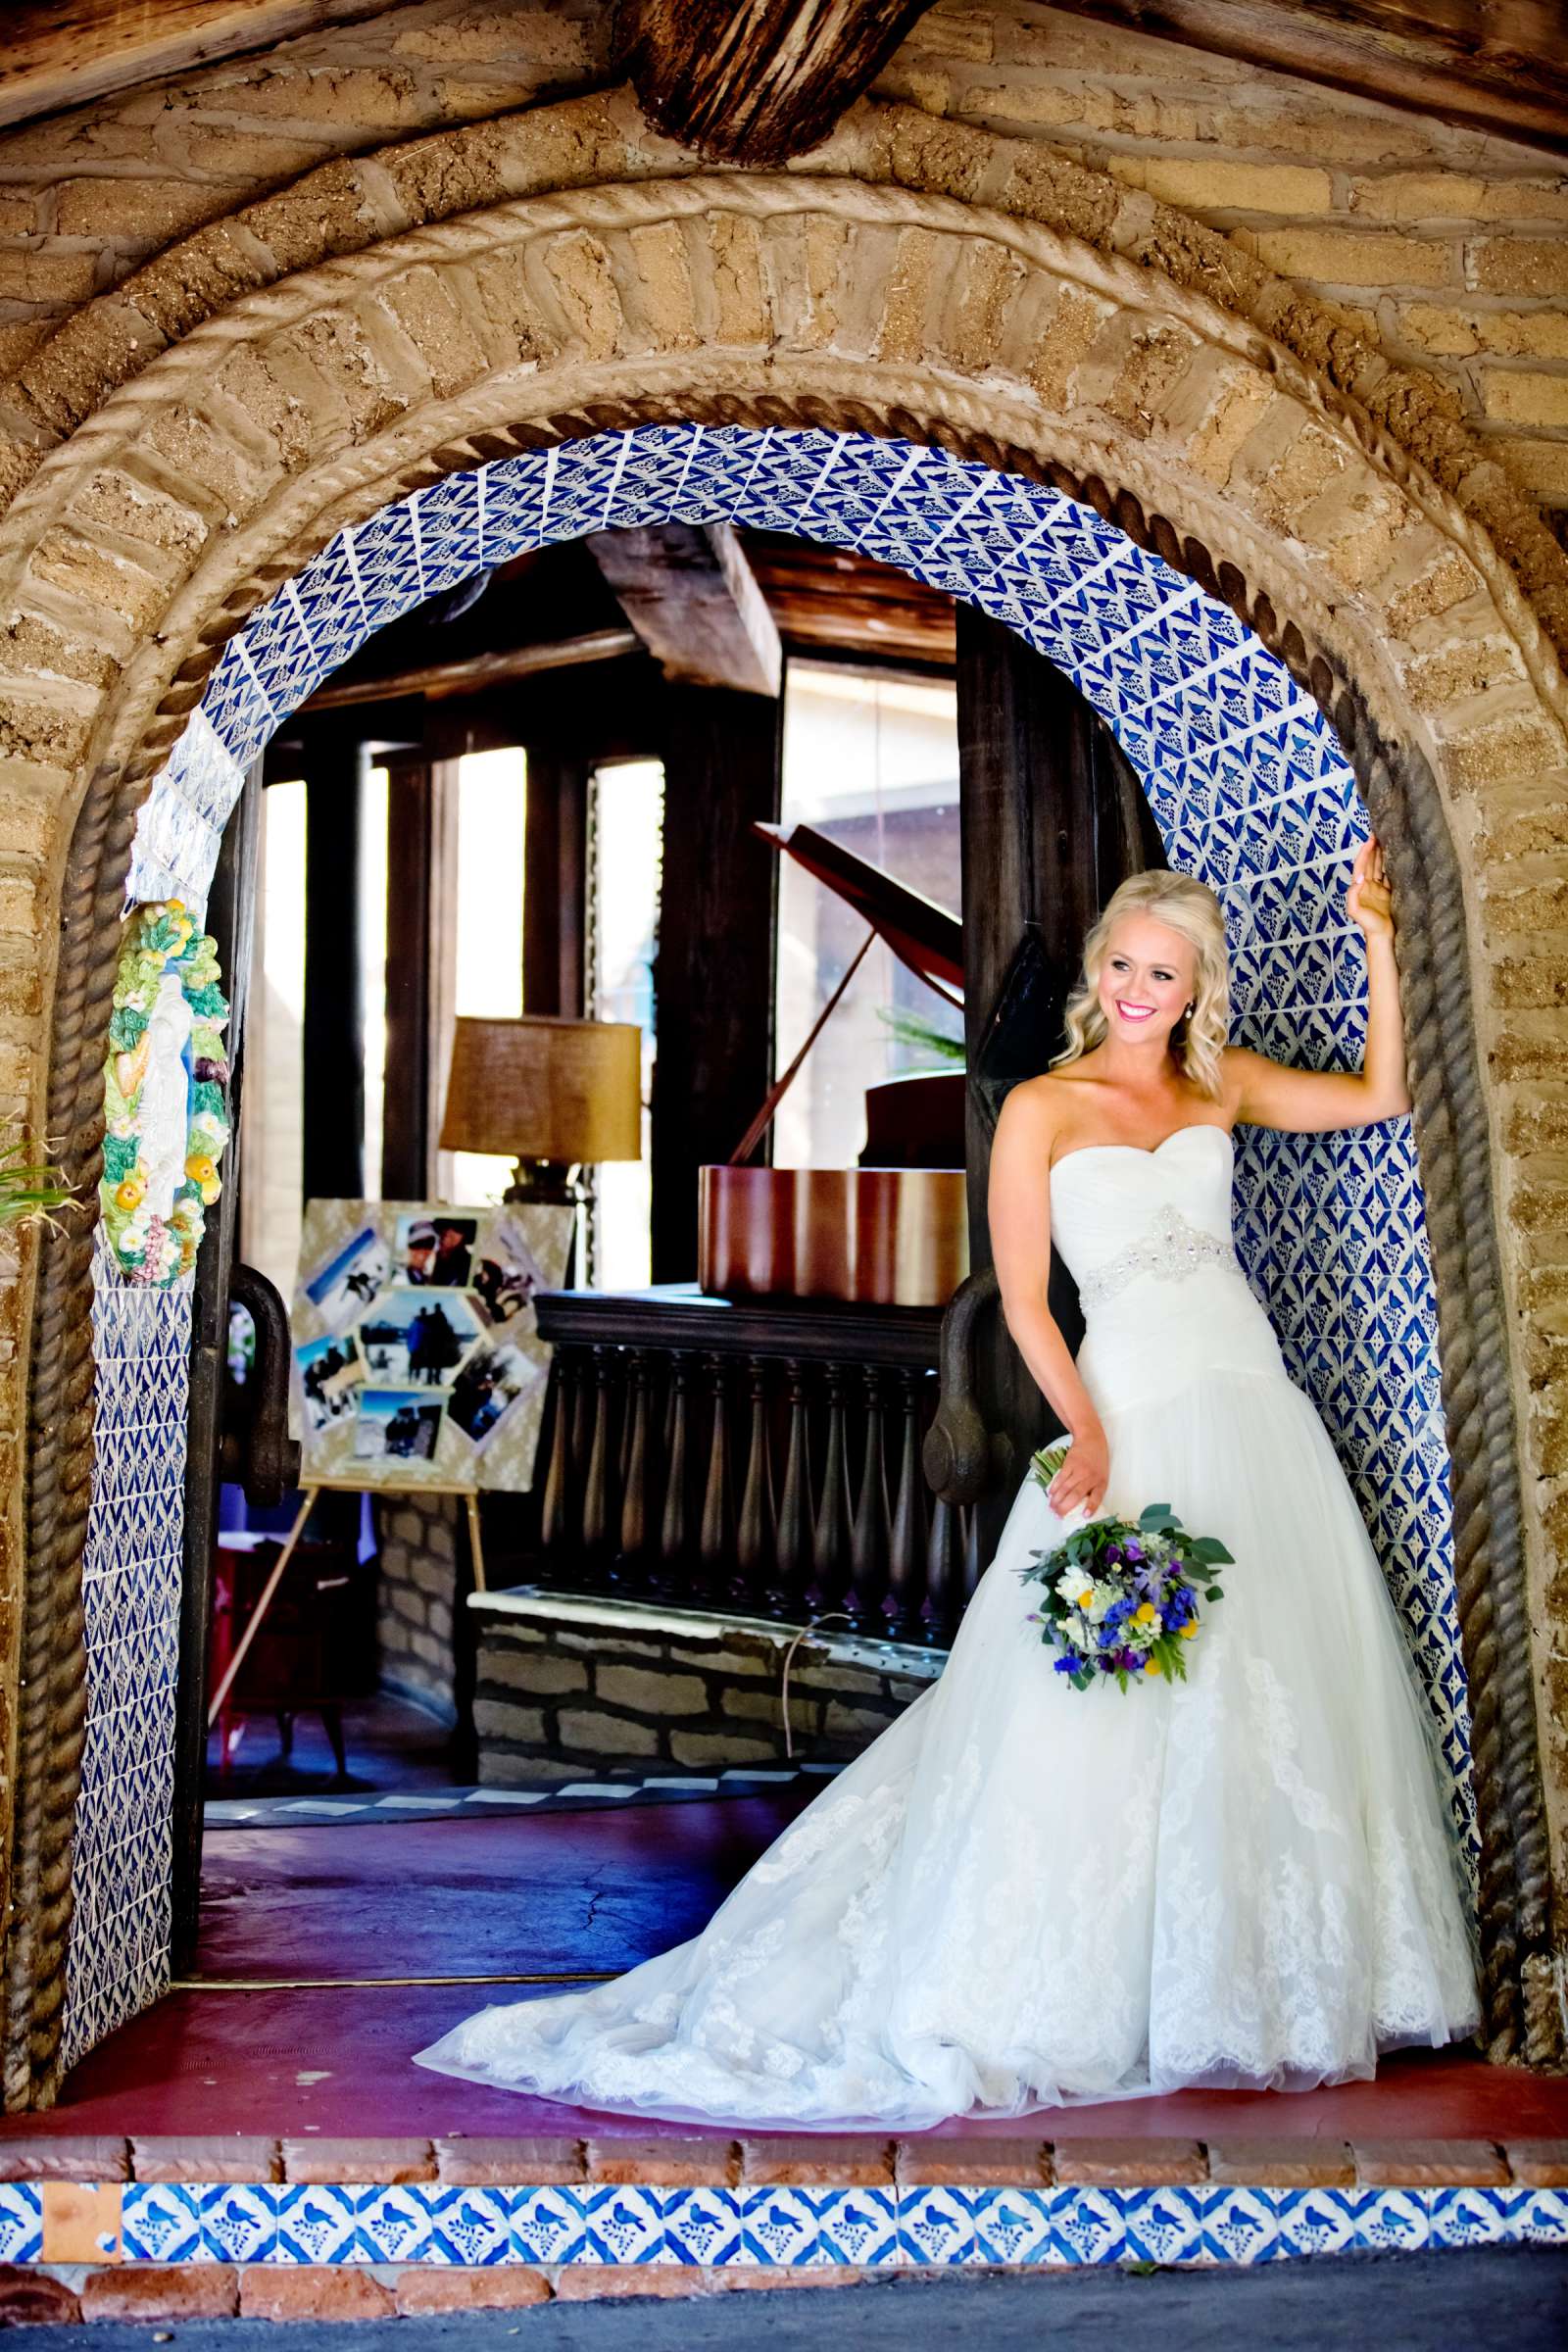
[(439, 681), (757, 82), (691, 598), (1500, 65), (60, 53)]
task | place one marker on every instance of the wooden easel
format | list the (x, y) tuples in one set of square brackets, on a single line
[(307, 1496)]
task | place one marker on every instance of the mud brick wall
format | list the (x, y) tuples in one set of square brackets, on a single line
[(1445, 246), (1448, 246), (553, 1700)]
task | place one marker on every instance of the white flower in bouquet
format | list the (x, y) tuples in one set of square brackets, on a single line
[(1135, 1617)]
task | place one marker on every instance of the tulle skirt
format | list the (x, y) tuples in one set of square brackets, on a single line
[(1024, 1895)]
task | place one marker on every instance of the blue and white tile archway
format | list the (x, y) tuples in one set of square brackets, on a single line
[(1251, 791)]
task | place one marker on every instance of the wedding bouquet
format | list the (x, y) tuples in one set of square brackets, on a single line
[(1119, 1598)]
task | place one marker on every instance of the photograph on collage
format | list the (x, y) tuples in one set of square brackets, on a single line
[(414, 1339)]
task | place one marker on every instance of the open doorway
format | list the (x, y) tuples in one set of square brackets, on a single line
[(1217, 730), (466, 821)]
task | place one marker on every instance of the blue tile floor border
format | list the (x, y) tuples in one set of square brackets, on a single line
[(792, 2229)]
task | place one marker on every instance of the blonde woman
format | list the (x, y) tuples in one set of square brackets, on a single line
[(1026, 1894)]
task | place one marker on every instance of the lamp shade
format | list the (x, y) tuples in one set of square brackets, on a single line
[(540, 1087)]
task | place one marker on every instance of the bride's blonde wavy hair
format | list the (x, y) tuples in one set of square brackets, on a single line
[(1188, 907)]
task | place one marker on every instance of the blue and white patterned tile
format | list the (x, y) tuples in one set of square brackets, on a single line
[(21, 2221), (339, 2223), (1083, 2225), (620, 2222), (1238, 2225), (1317, 2221), (212, 2222), (937, 2226), (1474, 2217), (807, 2225), (702, 2226), (546, 2227), (1541, 2218), (1168, 2224), (243, 716), (465, 2225), (947, 2226), (1389, 2219)]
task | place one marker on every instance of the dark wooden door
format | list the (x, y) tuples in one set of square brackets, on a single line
[(1053, 818)]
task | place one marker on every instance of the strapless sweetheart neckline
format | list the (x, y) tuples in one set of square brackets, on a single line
[(1148, 1150)]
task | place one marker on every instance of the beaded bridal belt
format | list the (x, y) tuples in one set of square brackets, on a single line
[(1172, 1250)]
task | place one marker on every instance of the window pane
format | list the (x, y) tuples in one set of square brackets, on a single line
[(872, 761), (628, 845), (492, 799), (373, 805), (272, 1155)]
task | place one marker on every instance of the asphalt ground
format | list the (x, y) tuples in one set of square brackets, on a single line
[(1404, 2302)]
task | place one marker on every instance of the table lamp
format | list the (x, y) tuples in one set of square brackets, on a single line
[(553, 1095)]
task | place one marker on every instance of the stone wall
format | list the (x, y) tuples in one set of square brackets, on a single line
[(418, 1596), (1448, 246), (556, 1697), (87, 197)]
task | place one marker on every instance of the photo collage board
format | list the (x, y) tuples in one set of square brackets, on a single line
[(417, 1356)]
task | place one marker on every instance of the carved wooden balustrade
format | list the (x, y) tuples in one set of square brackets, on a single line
[(763, 1461)]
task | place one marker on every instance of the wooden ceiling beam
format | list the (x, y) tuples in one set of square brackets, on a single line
[(840, 602), (691, 598), (439, 681), (758, 81), (1498, 65), (62, 53)]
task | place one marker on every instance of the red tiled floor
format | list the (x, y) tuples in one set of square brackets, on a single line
[(554, 1893), (337, 2063), (295, 2062)]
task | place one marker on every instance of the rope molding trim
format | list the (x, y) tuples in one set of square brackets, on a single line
[(880, 144), (906, 203), (1453, 1150)]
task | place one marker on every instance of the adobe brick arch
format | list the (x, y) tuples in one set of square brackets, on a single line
[(184, 494)]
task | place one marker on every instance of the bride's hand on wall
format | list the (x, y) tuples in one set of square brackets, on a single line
[(1083, 1476), (1367, 899)]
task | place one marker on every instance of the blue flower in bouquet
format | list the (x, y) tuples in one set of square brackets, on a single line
[(1121, 1598)]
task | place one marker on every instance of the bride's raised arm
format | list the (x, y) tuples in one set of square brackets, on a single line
[(1268, 1094), (1018, 1212)]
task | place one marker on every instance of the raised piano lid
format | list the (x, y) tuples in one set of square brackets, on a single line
[(922, 934)]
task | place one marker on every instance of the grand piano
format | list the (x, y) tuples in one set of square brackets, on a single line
[(892, 1230)]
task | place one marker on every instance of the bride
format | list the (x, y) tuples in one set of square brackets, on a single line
[(1023, 1894)]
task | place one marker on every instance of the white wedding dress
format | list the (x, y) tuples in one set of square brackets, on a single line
[(1022, 1895)]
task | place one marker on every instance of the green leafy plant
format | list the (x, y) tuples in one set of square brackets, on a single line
[(31, 1187), (921, 1036)]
